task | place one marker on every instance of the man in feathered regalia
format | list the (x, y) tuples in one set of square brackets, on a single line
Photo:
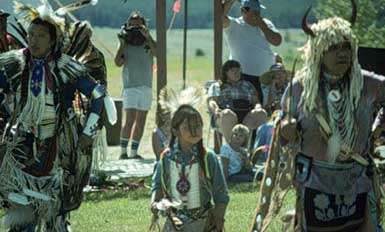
[(7, 43), (45, 154), (329, 111)]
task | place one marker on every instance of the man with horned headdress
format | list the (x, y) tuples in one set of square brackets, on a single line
[(329, 111), (45, 154)]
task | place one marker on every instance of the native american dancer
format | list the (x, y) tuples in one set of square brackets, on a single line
[(84, 51), (45, 155), (188, 176), (7, 42), (329, 110)]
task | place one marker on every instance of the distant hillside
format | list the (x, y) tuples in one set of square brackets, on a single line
[(112, 13)]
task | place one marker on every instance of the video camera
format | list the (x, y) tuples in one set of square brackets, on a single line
[(132, 35)]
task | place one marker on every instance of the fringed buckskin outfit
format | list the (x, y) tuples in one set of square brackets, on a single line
[(43, 167), (330, 163), (41, 152)]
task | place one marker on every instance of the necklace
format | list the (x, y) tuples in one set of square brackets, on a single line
[(183, 184)]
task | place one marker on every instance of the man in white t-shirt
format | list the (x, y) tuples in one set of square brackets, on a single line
[(249, 38)]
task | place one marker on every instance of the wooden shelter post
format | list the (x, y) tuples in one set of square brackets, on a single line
[(161, 40), (217, 57), (217, 38), (185, 26)]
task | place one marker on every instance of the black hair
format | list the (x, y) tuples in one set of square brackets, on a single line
[(137, 15), (226, 67), (51, 28), (189, 113)]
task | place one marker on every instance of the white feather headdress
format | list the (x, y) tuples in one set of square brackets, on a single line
[(46, 13), (323, 34), (170, 101)]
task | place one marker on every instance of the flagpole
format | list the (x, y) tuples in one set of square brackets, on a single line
[(185, 42)]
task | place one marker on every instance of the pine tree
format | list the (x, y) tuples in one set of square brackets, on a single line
[(369, 27)]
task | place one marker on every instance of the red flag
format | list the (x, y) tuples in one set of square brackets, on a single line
[(176, 7)]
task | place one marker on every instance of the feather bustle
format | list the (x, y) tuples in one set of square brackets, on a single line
[(170, 101)]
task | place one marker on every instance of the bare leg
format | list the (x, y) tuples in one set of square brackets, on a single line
[(253, 120), (137, 133), (127, 126), (140, 122)]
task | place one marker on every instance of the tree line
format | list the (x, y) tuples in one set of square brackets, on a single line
[(370, 26), (113, 13)]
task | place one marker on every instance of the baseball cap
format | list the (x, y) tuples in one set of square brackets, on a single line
[(252, 4)]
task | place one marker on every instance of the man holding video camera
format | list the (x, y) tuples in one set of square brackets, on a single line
[(135, 53)]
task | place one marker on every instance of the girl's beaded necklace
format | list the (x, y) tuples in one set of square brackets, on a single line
[(183, 184)]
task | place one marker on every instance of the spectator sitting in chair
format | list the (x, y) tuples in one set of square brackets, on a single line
[(233, 100), (261, 146), (273, 84), (249, 38), (235, 156), (263, 139)]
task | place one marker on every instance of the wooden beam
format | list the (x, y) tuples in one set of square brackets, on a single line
[(161, 44), (161, 59), (217, 38), (185, 26), (217, 57)]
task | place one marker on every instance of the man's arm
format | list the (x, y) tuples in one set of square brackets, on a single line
[(378, 125), (213, 106), (119, 57), (273, 37), (150, 42), (289, 130), (226, 6)]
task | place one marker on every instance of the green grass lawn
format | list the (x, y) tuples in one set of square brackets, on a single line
[(129, 211)]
